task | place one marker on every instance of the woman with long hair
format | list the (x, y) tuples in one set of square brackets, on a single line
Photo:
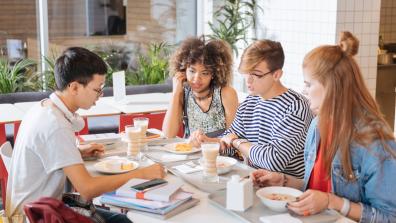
[(350, 151)]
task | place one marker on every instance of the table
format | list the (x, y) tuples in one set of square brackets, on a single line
[(100, 109), (140, 103), (204, 211), (9, 113), (192, 215)]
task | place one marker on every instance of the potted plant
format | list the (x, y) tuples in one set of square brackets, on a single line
[(233, 21), (152, 68), (16, 77)]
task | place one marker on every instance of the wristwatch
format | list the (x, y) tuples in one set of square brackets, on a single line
[(239, 142)]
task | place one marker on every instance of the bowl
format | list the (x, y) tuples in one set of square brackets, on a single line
[(276, 198), (224, 164)]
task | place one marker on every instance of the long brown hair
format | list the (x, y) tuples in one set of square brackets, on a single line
[(348, 114), (215, 55)]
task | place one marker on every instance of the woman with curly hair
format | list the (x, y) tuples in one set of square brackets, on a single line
[(202, 98)]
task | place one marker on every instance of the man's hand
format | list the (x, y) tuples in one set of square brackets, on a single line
[(225, 142), (264, 178), (152, 172), (92, 149)]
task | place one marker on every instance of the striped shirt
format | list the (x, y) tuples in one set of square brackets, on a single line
[(277, 128)]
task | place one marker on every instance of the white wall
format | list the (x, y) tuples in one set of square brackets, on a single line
[(304, 24), (362, 17)]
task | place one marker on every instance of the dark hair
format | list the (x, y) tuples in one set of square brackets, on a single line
[(262, 50), (77, 64), (215, 55)]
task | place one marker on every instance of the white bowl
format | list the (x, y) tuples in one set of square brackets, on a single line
[(277, 205), (224, 164)]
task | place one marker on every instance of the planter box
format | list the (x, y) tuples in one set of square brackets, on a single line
[(96, 124)]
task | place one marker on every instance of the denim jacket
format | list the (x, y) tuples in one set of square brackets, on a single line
[(375, 173)]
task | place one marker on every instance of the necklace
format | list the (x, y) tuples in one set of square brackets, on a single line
[(203, 97)]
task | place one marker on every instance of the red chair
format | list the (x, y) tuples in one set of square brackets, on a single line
[(85, 130), (16, 129), (155, 120), (3, 137), (5, 159)]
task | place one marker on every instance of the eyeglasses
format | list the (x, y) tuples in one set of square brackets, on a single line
[(99, 91), (259, 76)]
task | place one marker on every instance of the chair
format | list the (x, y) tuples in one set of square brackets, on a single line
[(155, 120), (16, 129), (85, 130), (3, 137), (6, 154), (5, 162)]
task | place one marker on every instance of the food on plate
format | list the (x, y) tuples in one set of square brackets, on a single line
[(126, 166), (280, 197), (116, 165), (183, 147)]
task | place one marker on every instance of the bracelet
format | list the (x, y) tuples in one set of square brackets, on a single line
[(240, 141), (284, 181), (345, 207)]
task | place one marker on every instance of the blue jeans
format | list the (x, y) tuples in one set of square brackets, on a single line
[(112, 217)]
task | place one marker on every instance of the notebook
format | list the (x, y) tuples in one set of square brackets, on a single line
[(163, 193)]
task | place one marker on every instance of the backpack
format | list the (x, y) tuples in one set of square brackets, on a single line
[(51, 210)]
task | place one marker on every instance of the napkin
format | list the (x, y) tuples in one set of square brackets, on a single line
[(284, 218), (172, 157), (187, 169)]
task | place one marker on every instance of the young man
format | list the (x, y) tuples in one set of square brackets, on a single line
[(271, 124), (45, 152)]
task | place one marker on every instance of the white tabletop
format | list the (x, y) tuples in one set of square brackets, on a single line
[(10, 113), (100, 109), (140, 103), (194, 214), (202, 212)]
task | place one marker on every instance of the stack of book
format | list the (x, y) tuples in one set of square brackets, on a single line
[(162, 202)]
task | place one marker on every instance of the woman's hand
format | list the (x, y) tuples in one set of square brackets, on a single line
[(264, 178), (91, 150), (225, 142), (178, 80), (197, 138), (310, 202)]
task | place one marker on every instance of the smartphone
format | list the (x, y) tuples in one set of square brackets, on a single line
[(148, 185)]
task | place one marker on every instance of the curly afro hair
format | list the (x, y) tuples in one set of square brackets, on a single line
[(215, 55)]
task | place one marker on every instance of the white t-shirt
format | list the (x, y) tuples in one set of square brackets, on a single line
[(45, 144)]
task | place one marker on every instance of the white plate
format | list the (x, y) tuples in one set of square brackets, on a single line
[(102, 167), (227, 164), (171, 148)]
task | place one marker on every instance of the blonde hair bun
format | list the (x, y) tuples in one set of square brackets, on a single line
[(349, 43)]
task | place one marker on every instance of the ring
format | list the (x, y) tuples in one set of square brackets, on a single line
[(306, 213)]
